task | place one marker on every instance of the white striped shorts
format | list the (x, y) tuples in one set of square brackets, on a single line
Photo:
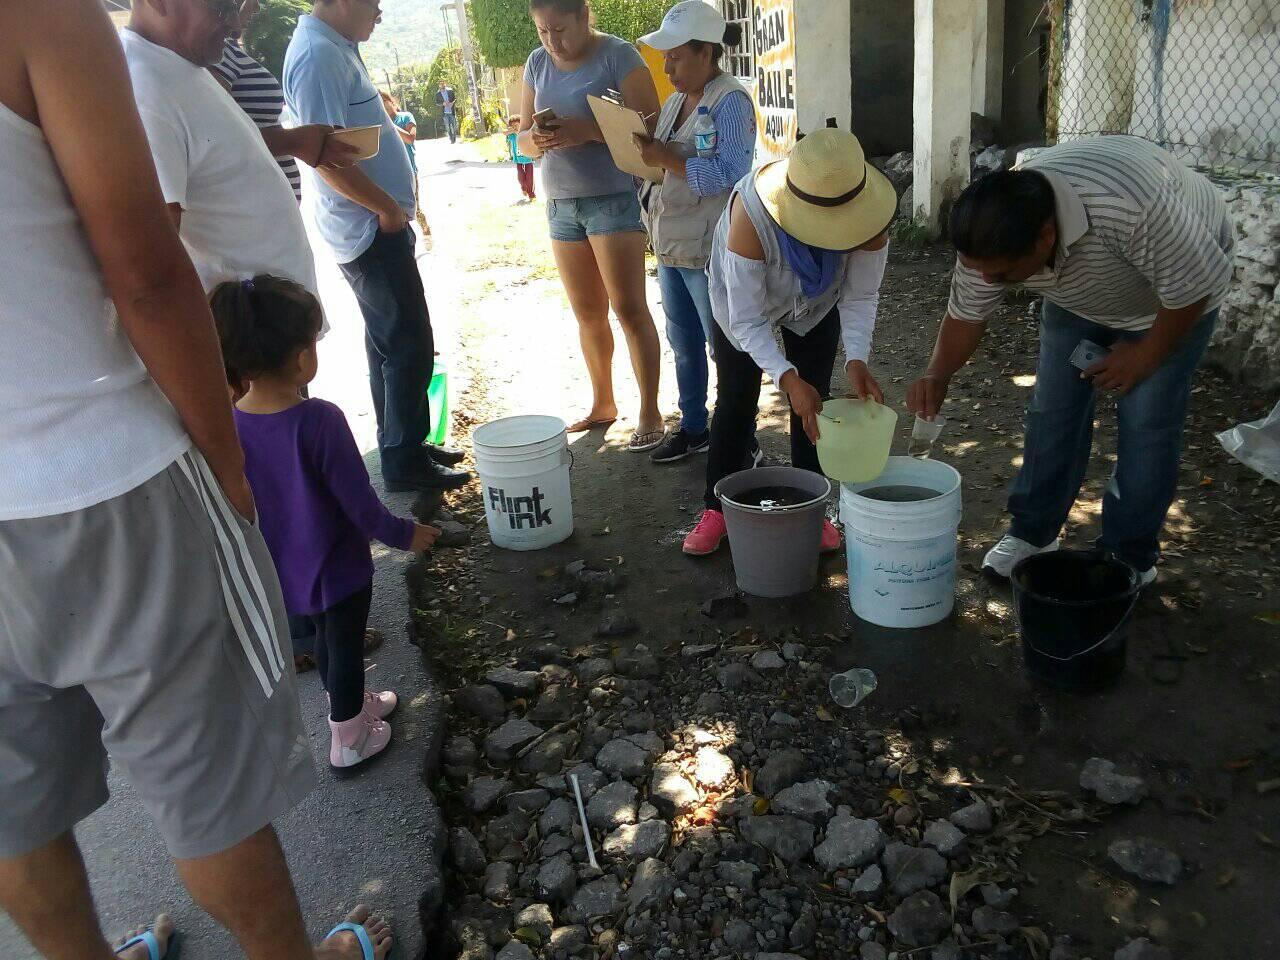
[(149, 628)]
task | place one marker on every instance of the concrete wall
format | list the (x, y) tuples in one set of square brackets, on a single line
[(882, 49), (882, 45), (943, 100), (1200, 77), (1215, 86), (822, 82), (1246, 345), (1021, 119), (987, 79)]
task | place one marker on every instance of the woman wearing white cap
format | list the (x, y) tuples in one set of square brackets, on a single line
[(803, 247), (682, 211)]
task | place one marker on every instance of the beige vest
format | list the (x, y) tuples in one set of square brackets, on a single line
[(681, 223)]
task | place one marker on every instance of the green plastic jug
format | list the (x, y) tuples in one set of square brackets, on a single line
[(854, 437), (438, 403)]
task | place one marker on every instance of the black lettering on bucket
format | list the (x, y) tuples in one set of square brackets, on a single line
[(522, 513)]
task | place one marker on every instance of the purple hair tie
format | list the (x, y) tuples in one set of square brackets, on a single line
[(247, 284)]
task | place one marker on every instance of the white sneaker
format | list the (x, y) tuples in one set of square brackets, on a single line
[(1147, 577), (1005, 555)]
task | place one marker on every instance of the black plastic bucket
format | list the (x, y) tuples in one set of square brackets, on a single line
[(1073, 609)]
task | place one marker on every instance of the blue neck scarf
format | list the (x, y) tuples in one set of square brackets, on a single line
[(815, 267)]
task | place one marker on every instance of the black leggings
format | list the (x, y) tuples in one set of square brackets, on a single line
[(738, 398), (340, 652)]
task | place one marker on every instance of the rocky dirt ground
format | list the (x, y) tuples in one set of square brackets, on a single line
[(732, 808)]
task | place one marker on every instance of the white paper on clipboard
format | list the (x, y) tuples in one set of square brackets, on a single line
[(619, 124)]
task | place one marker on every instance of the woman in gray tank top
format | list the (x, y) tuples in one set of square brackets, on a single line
[(594, 215)]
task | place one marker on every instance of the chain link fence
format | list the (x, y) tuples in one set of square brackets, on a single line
[(1201, 77)]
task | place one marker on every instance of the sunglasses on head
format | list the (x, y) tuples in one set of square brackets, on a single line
[(227, 11)]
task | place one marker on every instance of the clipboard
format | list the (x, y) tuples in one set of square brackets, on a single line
[(618, 124)]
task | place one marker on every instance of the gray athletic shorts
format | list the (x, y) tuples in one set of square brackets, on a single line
[(149, 628)]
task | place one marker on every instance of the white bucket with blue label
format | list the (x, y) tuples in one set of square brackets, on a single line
[(523, 464), (900, 537)]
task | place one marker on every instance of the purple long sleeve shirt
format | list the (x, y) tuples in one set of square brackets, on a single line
[(316, 508)]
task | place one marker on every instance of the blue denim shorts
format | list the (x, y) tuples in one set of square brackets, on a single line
[(575, 219)]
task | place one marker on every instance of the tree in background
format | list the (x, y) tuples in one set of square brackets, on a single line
[(268, 37), (629, 19), (413, 91), (447, 66), (504, 31), (507, 36)]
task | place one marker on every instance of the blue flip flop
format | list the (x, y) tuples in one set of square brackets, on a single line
[(153, 945), (366, 942)]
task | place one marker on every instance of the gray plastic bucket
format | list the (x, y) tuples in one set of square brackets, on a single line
[(775, 549)]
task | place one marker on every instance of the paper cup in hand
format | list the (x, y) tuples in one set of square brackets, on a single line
[(365, 139)]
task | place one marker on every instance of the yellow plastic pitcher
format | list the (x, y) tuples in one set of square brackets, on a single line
[(854, 437)]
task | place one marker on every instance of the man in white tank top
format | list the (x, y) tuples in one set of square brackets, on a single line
[(140, 616)]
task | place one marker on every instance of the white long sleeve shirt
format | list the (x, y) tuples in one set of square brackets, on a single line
[(750, 329)]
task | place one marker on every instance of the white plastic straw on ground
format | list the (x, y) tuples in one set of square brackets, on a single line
[(582, 813)]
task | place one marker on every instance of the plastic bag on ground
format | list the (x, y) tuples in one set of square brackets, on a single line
[(1256, 444)]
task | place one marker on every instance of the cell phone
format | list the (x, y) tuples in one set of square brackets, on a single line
[(1087, 353), (546, 119)]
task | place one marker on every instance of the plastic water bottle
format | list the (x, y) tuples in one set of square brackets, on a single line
[(705, 136), (850, 688)]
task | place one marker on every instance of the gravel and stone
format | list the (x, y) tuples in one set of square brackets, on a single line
[(775, 836)]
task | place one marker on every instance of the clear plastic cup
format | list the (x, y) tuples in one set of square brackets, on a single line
[(850, 688), (924, 434)]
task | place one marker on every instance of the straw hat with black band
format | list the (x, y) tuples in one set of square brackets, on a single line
[(825, 194)]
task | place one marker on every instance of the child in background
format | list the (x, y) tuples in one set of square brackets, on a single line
[(316, 508), (524, 166)]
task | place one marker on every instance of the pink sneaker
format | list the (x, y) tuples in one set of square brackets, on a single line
[(830, 541), (377, 705), (707, 536), (380, 705), (356, 740)]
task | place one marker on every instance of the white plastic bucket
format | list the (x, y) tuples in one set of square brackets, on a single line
[(902, 556), (523, 464)]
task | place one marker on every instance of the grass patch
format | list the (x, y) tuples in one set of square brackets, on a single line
[(490, 149), (909, 235)]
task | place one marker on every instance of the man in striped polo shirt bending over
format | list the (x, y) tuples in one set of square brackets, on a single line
[(1132, 252)]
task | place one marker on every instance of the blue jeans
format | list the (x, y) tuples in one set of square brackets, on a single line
[(686, 301), (1060, 435), (400, 347), (451, 126)]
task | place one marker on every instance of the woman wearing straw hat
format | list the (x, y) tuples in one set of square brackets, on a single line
[(681, 212), (803, 247)]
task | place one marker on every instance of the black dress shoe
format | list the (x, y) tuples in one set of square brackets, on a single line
[(445, 456), (431, 477)]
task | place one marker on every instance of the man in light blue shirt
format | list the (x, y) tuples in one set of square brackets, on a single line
[(363, 214)]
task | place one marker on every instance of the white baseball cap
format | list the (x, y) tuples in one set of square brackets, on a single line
[(688, 20)]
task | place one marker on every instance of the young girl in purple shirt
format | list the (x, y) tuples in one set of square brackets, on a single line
[(316, 508)]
